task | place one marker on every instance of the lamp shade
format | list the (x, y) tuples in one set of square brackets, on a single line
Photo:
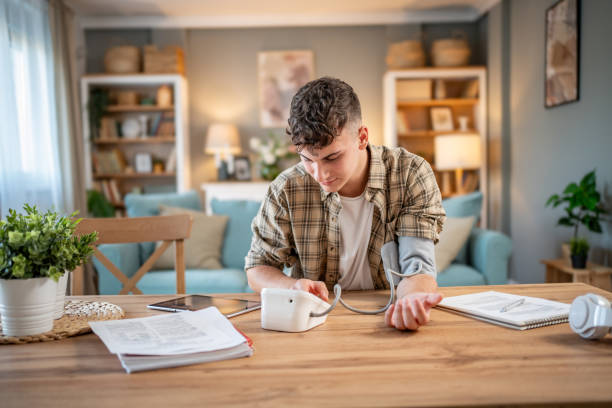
[(457, 151), (222, 138)]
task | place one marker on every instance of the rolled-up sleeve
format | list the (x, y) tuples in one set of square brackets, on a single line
[(271, 244), (422, 214)]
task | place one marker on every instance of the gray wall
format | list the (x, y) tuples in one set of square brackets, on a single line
[(551, 147)]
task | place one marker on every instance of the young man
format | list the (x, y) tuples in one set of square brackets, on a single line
[(328, 216)]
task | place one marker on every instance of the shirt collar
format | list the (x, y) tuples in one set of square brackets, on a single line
[(376, 178)]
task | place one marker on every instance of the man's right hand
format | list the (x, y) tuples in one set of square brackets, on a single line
[(317, 288)]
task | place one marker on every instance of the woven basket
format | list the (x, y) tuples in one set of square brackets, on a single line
[(169, 60), (405, 54), (450, 52), (122, 60)]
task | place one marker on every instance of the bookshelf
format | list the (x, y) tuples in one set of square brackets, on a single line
[(113, 160), (411, 100)]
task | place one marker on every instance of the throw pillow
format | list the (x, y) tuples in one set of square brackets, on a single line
[(203, 247), (454, 235)]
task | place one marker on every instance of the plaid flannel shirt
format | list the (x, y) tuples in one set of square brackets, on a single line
[(297, 224)]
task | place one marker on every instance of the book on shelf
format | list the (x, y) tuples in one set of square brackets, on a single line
[(155, 124), (116, 193), (171, 161), (166, 126), (173, 339), (402, 123), (508, 310)]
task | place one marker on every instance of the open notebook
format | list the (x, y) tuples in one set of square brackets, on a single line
[(487, 306)]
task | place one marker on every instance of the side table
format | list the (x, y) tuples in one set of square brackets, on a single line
[(560, 270)]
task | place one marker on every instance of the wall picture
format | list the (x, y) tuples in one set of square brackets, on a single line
[(562, 52), (280, 75)]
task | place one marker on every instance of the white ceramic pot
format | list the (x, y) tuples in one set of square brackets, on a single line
[(27, 305), (60, 295)]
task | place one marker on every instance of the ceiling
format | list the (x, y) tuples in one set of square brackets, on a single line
[(260, 13)]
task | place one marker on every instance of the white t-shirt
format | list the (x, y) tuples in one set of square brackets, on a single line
[(355, 227)]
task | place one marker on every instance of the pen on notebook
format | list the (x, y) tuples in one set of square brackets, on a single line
[(512, 305)]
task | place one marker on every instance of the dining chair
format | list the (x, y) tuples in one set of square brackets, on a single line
[(169, 229)]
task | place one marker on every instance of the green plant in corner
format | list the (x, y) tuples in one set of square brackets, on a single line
[(37, 245), (583, 207), (579, 246)]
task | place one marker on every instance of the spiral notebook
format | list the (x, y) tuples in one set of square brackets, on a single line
[(505, 309)]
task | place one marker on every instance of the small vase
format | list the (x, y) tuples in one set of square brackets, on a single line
[(27, 305), (60, 295), (579, 261)]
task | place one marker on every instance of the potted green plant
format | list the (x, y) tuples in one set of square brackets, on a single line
[(583, 207), (36, 251)]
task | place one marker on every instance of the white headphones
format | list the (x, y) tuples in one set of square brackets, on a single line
[(591, 316)]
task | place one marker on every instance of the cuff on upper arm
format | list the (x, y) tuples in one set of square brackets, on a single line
[(416, 255)]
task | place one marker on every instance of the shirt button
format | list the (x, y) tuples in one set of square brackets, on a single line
[(331, 249), (334, 219)]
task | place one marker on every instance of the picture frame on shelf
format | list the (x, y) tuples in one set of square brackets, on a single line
[(143, 163), (242, 168), (562, 67), (441, 118)]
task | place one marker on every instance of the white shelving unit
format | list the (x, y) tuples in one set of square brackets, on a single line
[(180, 177), (423, 136)]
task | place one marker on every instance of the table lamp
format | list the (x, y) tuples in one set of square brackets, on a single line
[(456, 152), (223, 141)]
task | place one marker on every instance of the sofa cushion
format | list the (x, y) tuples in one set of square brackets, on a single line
[(196, 281), (460, 275), (203, 247), (147, 205), (237, 241), (453, 237), (466, 205)]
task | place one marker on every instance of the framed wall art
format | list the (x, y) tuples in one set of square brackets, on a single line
[(280, 75), (562, 53)]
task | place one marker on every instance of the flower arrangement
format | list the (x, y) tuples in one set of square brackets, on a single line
[(271, 152), (37, 245)]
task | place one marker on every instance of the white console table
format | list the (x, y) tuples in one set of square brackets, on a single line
[(234, 190)]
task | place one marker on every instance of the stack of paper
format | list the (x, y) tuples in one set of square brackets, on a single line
[(172, 340)]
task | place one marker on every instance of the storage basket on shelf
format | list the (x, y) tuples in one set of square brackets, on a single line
[(123, 59), (170, 60), (405, 54), (450, 52)]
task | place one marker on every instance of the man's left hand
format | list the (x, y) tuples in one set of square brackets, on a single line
[(411, 311)]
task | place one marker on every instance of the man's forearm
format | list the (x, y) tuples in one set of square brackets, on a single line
[(417, 283), (260, 277)]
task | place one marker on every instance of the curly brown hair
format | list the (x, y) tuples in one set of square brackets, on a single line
[(320, 110)]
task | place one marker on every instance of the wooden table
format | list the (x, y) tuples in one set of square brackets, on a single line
[(560, 270), (351, 360)]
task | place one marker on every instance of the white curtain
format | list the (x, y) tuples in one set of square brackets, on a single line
[(29, 144)]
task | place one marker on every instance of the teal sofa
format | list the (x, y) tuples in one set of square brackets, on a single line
[(482, 261), (236, 242)]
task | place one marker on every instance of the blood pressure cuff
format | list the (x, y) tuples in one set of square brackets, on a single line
[(411, 256)]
